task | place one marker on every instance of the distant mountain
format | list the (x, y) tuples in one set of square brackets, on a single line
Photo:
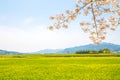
[(49, 51), (112, 47), (8, 52)]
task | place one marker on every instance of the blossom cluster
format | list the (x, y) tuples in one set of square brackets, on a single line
[(105, 14)]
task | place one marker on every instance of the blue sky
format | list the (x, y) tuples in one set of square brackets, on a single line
[(23, 26)]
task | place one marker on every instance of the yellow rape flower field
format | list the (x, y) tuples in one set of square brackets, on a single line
[(37, 67)]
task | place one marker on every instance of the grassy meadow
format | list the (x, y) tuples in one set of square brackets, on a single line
[(59, 67)]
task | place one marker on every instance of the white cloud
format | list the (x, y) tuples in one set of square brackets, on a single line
[(39, 38)]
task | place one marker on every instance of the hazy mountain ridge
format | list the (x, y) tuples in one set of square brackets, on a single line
[(112, 47), (49, 51), (8, 52)]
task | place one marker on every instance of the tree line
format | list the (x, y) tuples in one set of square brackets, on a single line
[(101, 51)]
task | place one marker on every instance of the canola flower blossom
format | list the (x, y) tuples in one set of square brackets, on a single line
[(98, 23)]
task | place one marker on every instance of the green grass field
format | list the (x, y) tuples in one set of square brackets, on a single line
[(39, 67)]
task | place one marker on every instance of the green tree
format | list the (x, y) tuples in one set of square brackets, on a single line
[(106, 50), (93, 52)]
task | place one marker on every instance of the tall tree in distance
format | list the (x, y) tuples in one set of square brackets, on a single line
[(104, 14)]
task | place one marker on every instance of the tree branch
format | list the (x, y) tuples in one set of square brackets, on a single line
[(94, 18)]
